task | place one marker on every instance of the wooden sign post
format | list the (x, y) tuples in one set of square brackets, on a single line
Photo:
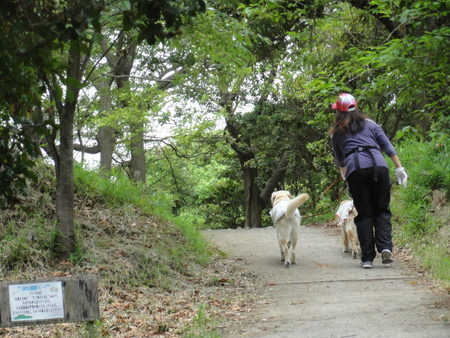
[(49, 301)]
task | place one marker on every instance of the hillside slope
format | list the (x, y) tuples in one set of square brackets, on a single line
[(151, 280)]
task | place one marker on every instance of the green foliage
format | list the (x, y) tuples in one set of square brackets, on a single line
[(430, 166), (27, 237), (156, 20), (202, 178), (29, 34), (422, 221), (34, 38), (216, 200), (411, 71), (152, 248), (80, 255), (26, 244), (436, 260), (120, 192), (17, 155), (203, 325)]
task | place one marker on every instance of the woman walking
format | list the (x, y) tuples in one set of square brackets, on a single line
[(358, 143)]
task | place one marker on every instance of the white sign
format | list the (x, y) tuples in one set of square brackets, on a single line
[(36, 301)]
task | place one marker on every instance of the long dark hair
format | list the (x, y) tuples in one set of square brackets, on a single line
[(348, 122)]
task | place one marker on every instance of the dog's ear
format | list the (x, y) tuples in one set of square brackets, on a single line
[(272, 198)]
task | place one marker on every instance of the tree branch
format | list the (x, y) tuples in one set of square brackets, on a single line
[(87, 149), (276, 177)]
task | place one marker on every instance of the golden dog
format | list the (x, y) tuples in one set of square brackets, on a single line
[(286, 219), (346, 215)]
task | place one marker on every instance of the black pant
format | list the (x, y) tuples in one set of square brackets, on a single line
[(371, 199)]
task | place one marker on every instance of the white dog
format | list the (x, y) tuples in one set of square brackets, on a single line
[(287, 219), (345, 216)]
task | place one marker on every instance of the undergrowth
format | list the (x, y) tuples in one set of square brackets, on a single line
[(422, 211), (160, 246), (125, 235)]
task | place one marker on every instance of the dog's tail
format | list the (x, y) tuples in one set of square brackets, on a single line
[(294, 204)]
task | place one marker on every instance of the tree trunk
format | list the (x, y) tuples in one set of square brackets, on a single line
[(253, 205), (137, 162), (106, 135), (121, 66), (107, 143), (255, 199), (65, 240)]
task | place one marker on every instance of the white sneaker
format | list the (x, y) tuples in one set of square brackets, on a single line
[(366, 265), (387, 257)]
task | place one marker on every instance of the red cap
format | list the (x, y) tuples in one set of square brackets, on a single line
[(345, 102)]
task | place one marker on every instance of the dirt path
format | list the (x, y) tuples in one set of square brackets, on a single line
[(327, 294)]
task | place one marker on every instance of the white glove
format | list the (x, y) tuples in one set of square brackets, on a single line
[(401, 176)]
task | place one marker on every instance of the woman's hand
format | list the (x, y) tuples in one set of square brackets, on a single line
[(402, 177)]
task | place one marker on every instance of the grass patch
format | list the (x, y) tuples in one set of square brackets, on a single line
[(421, 212), (136, 254), (203, 325)]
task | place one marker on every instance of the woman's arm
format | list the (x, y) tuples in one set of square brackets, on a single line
[(396, 161), (343, 170)]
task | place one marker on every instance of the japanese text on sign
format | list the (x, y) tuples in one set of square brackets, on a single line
[(36, 301)]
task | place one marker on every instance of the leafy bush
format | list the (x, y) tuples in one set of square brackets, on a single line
[(421, 222), (428, 168)]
